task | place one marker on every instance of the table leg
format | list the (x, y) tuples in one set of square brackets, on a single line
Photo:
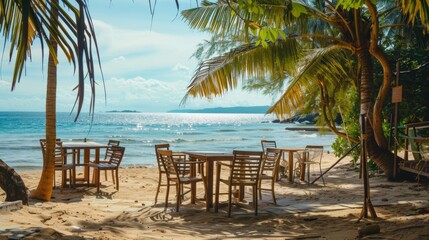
[(86, 165), (74, 166), (290, 167), (77, 163), (209, 189), (63, 178), (193, 185), (97, 161), (64, 173)]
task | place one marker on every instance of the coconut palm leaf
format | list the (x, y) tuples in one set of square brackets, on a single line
[(21, 22), (416, 10), (216, 76), (228, 19), (330, 63)]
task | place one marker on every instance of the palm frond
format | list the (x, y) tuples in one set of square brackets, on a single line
[(328, 62), (416, 10), (218, 18), (21, 22), (218, 75)]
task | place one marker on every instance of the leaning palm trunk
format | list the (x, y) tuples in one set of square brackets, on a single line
[(381, 156), (44, 189), (12, 184)]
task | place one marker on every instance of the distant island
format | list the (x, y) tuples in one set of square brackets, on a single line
[(250, 109), (123, 111)]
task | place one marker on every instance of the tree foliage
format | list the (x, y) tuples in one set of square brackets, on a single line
[(336, 44)]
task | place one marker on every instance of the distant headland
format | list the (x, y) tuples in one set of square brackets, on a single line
[(249, 109)]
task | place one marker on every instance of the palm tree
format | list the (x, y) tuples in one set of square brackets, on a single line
[(324, 39), (74, 37), (53, 23)]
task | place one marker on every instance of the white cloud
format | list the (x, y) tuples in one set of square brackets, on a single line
[(4, 84), (132, 51), (142, 94), (184, 69)]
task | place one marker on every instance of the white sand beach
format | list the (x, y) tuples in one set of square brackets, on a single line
[(303, 212)]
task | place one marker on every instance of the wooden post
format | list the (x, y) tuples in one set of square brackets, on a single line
[(396, 99), (367, 205)]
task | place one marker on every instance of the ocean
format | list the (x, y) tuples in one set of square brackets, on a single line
[(139, 132)]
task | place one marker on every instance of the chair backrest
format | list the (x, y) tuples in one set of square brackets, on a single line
[(268, 144), (110, 144), (246, 166), (174, 166), (165, 146), (271, 161), (117, 155), (313, 153), (59, 154), (43, 148)]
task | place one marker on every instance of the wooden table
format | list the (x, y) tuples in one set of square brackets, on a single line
[(209, 158), (75, 147), (290, 152)]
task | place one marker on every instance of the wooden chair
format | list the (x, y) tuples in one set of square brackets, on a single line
[(161, 170), (60, 165), (268, 144), (111, 143), (282, 167), (269, 170), (179, 171), (312, 155), (117, 153), (244, 171)]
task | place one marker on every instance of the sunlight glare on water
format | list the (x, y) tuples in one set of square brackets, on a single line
[(139, 132)]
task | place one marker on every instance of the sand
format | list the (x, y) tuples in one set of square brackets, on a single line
[(303, 211)]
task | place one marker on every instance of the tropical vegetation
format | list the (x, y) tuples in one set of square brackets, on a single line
[(314, 54)]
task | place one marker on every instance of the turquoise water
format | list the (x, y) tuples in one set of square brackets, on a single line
[(139, 132)]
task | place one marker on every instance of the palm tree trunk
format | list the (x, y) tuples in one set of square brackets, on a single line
[(381, 156), (44, 189)]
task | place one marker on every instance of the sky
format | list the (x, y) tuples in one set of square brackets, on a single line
[(146, 66)]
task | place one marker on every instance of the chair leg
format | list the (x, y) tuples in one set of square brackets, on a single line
[(54, 179), (273, 192), (98, 180), (87, 170), (229, 199), (113, 177), (105, 175), (182, 190), (256, 200), (70, 178), (308, 174), (166, 194), (74, 176), (117, 179), (178, 196), (259, 188), (158, 188)]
